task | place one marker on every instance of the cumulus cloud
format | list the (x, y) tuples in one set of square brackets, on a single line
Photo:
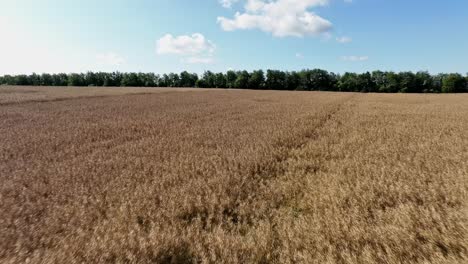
[(194, 49), (110, 58), (281, 18), (344, 39), (184, 45), (355, 58), (227, 3)]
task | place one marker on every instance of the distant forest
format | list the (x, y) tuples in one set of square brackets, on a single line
[(304, 80)]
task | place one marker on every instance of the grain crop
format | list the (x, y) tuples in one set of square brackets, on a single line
[(230, 176), (21, 94)]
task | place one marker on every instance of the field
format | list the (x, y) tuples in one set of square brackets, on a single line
[(132, 175)]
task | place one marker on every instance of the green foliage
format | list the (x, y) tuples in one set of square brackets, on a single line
[(293, 81), (231, 77), (188, 79), (319, 80), (34, 79), (242, 80), (305, 80), (60, 79), (211, 80), (90, 79), (425, 82), (200, 83), (256, 80), (408, 83), (349, 82), (466, 81), (276, 80), (366, 83), (454, 83), (207, 80), (8, 80), (380, 80), (393, 83), (131, 80), (75, 79), (164, 81), (220, 80)]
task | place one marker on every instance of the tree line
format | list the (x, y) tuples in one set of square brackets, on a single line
[(304, 80)]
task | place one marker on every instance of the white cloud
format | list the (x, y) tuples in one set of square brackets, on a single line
[(194, 49), (111, 59), (299, 55), (344, 39), (227, 3), (184, 45), (279, 17), (355, 58)]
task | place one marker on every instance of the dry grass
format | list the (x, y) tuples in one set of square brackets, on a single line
[(22, 94), (234, 177)]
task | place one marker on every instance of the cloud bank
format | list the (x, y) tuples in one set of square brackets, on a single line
[(193, 49), (281, 18)]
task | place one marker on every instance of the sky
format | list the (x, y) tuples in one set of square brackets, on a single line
[(165, 36)]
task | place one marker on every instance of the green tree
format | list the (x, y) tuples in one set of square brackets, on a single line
[(100, 77), (393, 83), (90, 79), (256, 80), (437, 82), (75, 79), (408, 83), (147, 79), (130, 80), (34, 79), (113, 79), (316, 79), (231, 77), (293, 81), (188, 79), (466, 81), (380, 80), (242, 80), (174, 80), (60, 79), (164, 81), (425, 81), (200, 83), (349, 82), (319, 80), (9, 80), (208, 80), (276, 80), (454, 83), (366, 83), (220, 80), (46, 79)]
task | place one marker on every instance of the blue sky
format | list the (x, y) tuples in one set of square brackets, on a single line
[(174, 35)]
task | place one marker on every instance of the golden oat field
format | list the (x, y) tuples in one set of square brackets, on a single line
[(133, 175)]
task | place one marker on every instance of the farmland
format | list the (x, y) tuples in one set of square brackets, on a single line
[(142, 175)]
